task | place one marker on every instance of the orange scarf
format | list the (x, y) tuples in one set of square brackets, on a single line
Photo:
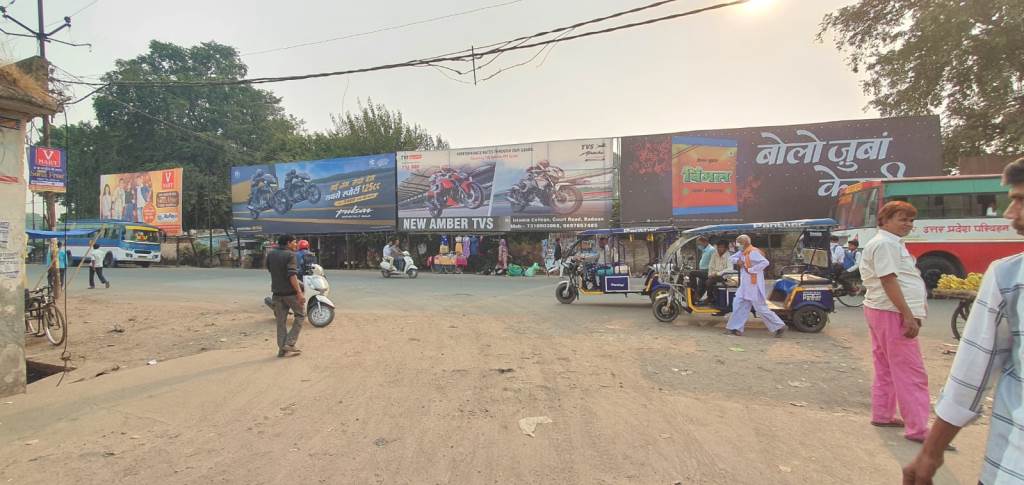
[(747, 264)]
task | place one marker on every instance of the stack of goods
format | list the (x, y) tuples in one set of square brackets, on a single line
[(951, 282)]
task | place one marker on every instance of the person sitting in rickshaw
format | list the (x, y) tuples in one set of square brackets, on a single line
[(717, 267)]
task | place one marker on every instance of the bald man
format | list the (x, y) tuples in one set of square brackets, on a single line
[(751, 293)]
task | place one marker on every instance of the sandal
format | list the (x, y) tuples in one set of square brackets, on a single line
[(891, 424)]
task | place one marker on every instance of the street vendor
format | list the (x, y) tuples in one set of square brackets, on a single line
[(751, 293)]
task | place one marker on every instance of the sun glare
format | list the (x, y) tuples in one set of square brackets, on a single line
[(759, 5)]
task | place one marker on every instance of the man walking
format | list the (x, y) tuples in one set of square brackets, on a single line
[(287, 294), (991, 344), (96, 256), (751, 294), (894, 307)]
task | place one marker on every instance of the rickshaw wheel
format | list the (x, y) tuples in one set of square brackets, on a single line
[(565, 293), (809, 319), (666, 310)]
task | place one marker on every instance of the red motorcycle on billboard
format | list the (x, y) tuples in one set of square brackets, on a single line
[(453, 188)]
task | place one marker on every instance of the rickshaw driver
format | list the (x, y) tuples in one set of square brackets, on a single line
[(751, 292)]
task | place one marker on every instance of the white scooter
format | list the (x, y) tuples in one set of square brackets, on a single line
[(319, 308), (387, 267)]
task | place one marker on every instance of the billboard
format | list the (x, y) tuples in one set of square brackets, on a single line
[(338, 195), (152, 197), (550, 186), (768, 173), (47, 169)]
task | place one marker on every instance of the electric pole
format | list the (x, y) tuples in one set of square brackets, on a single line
[(43, 37)]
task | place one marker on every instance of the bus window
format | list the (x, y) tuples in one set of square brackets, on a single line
[(928, 207), (858, 210), (872, 218), (990, 205), (140, 235)]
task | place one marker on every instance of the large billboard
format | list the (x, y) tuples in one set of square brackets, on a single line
[(551, 186), (150, 197), (768, 173), (338, 195)]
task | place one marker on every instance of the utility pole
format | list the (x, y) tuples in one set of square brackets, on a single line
[(43, 37)]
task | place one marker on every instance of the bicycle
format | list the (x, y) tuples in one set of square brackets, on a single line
[(42, 317)]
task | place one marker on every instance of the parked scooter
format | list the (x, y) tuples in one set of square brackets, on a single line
[(388, 269), (319, 308)]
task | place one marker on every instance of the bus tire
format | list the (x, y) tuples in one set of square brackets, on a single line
[(932, 267), (109, 261)]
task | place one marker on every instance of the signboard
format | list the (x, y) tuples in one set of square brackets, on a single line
[(338, 195), (47, 169), (537, 187), (768, 173), (152, 197)]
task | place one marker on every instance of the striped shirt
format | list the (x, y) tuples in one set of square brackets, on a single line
[(991, 346)]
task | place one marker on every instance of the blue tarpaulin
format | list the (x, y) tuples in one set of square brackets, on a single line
[(40, 234)]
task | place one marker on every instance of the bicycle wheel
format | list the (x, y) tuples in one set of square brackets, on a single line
[(55, 325), (32, 324), (959, 319)]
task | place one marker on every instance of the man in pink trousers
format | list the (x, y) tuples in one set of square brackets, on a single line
[(895, 305)]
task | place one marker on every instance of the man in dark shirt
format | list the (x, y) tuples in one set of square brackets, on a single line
[(284, 283)]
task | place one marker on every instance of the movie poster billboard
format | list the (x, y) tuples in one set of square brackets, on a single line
[(333, 196), (152, 198), (47, 169), (768, 173), (536, 187)]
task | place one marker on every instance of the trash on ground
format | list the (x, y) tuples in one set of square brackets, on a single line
[(529, 425), (799, 384)]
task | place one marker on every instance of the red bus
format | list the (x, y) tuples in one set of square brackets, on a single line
[(959, 229)]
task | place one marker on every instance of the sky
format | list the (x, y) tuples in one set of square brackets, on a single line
[(746, 65)]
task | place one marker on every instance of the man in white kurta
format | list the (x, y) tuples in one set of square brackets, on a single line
[(751, 293)]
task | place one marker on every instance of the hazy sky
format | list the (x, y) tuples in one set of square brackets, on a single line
[(740, 66)]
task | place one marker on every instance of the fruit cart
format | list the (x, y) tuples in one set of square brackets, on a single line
[(965, 290)]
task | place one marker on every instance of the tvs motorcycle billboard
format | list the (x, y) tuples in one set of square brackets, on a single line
[(152, 197), (551, 186), (768, 173), (47, 169), (338, 195)]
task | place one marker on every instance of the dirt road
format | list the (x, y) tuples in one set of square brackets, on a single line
[(425, 381)]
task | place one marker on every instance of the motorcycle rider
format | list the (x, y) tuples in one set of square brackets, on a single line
[(442, 194), (258, 179), (303, 256), (398, 259), (540, 176)]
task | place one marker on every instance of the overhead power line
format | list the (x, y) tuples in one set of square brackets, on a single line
[(382, 29), (465, 55)]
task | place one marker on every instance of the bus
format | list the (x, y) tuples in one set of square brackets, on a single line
[(124, 242), (959, 228)]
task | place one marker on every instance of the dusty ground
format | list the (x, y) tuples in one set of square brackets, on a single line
[(425, 381)]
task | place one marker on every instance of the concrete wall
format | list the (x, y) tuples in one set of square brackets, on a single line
[(12, 255)]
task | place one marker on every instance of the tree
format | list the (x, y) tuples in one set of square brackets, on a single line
[(372, 129), (961, 59), (204, 130)]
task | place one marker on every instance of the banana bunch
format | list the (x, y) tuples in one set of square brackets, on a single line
[(951, 282)]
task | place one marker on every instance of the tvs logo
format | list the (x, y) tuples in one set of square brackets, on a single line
[(48, 157), (167, 179)]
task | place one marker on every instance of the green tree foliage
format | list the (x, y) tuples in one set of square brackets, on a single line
[(961, 59), (207, 130)]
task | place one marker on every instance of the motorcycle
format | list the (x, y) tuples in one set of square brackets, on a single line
[(301, 189), (387, 267), (267, 196), (562, 197), (319, 308), (452, 189)]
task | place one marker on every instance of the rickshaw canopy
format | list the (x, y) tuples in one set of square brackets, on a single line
[(761, 227), (617, 231)]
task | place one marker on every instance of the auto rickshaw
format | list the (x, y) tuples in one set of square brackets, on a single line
[(589, 268), (802, 296)]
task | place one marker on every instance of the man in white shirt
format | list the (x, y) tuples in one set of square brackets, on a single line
[(717, 267), (837, 254), (991, 344), (894, 307), (96, 256)]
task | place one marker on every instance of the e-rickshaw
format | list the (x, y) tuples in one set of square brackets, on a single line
[(589, 269), (802, 297)]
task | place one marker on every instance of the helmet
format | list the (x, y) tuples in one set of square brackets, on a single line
[(303, 244), (543, 164), (291, 172), (260, 172)]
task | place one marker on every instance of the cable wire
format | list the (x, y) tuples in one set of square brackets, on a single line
[(434, 60)]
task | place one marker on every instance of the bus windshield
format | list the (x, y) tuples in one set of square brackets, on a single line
[(137, 234)]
